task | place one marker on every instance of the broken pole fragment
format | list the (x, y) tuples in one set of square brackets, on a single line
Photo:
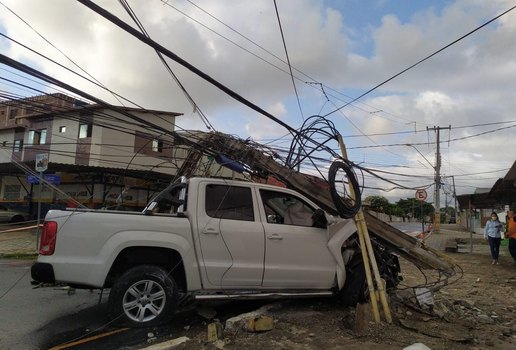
[(215, 332)]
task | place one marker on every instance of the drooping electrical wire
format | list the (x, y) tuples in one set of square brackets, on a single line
[(59, 50), (311, 79), (190, 99), (288, 59), (121, 24)]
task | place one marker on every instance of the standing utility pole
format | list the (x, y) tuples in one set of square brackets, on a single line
[(455, 196), (437, 198)]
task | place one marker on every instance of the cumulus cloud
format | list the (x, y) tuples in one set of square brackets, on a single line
[(468, 84)]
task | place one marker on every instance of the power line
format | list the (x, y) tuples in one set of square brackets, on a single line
[(167, 3), (288, 59), (432, 143), (422, 60), (115, 20), (55, 47), (190, 99)]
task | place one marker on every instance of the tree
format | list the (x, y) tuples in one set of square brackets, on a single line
[(378, 203), (412, 207)]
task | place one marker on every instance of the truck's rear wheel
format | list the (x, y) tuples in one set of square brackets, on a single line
[(143, 296)]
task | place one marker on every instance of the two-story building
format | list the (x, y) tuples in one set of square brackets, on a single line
[(97, 155)]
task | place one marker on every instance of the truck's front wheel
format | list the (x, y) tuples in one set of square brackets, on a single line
[(143, 296)]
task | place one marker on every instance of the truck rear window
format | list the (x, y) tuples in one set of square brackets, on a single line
[(229, 202)]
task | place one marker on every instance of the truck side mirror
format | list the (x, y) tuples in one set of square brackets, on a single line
[(273, 219)]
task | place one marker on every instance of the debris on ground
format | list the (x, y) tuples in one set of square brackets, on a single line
[(215, 332), (464, 315)]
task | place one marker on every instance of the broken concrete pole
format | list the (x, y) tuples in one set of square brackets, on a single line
[(215, 332), (362, 318), (259, 324), (417, 346), (239, 322), (167, 345)]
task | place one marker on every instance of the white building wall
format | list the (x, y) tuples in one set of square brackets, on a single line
[(63, 144), (6, 145), (118, 148)]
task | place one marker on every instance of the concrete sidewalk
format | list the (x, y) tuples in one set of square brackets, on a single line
[(19, 242)]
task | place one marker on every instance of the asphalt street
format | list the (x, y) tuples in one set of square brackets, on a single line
[(32, 318)]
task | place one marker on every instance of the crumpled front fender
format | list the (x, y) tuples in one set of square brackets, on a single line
[(338, 233)]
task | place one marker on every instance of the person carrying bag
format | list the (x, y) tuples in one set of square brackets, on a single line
[(493, 234)]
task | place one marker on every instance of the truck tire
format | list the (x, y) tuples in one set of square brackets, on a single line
[(16, 219), (355, 288), (143, 296)]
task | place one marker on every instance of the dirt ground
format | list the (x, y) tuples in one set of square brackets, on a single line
[(477, 311)]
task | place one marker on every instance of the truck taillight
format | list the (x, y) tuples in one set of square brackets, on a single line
[(47, 243)]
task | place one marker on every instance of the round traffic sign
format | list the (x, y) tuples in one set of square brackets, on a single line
[(421, 195)]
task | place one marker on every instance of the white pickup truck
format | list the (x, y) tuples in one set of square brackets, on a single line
[(204, 238)]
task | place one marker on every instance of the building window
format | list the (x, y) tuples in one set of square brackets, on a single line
[(12, 192), (85, 130), (32, 135), (42, 136), (37, 137), (157, 145), (17, 146), (62, 129), (13, 113)]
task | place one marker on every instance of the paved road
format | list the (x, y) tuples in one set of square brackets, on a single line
[(410, 228), (44, 318), (32, 318)]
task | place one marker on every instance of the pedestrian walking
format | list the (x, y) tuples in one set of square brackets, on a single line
[(493, 234), (511, 233)]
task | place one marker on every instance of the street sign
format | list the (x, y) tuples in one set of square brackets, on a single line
[(421, 195), (52, 178), (41, 162)]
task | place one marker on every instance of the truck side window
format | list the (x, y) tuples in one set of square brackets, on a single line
[(282, 208), (229, 202)]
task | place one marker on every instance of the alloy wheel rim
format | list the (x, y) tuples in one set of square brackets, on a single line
[(144, 301)]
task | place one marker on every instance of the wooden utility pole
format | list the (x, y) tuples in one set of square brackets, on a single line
[(437, 197)]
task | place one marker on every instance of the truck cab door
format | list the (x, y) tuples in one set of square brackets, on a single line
[(230, 234), (296, 253)]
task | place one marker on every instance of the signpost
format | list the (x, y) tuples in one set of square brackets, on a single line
[(421, 196), (50, 178), (41, 166)]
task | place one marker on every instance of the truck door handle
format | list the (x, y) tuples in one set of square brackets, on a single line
[(210, 231), (275, 236)]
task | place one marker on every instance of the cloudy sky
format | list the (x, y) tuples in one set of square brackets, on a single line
[(338, 49)]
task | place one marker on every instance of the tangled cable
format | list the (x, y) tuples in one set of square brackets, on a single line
[(348, 204), (304, 145)]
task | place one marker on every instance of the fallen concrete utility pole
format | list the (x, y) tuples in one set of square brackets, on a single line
[(264, 164)]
